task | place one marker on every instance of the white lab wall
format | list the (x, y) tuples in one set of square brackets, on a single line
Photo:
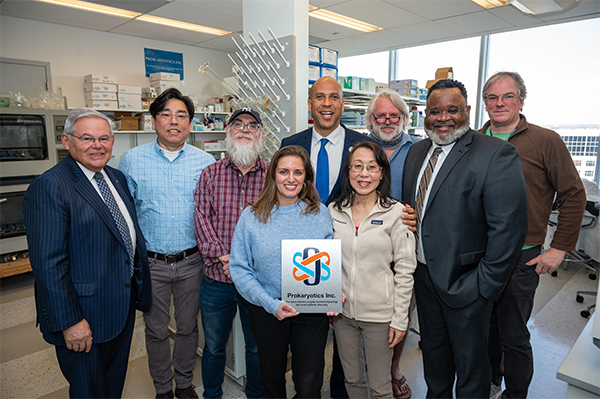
[(75, 52)]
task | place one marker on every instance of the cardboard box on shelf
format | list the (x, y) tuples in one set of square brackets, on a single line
[(102, 105), (130, 105), (329, 58), (332, 72), (430, 83), (370, 85), (350, 82), (314, 55), (164, 76), (128, 97), (444, 73), (404, 84), (380, 87), (145, 122), (131, 89), (102, 96), (126, 122), (407, 92), (99, 87), (162, 84), (99, 78)]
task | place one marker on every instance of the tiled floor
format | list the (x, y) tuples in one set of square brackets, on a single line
[(29, 369)]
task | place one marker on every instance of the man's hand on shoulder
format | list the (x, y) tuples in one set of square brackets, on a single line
[(548, 261), (79, 336), (409, 218)]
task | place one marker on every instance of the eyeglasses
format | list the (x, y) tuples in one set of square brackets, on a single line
[(87, 140), (450, 111), (238, 126), (371, 168), (167, 116), (507, 98), (382, 119)]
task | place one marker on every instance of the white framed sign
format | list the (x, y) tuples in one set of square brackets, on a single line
[(311, 275)]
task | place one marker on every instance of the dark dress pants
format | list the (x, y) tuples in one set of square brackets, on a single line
[(99, 374), (510, 350), (305, 335), (454, 342)]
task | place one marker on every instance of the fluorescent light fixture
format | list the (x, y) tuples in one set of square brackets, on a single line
[(182, 25), (342, 20), (491, 3), (86, 6), (543, 7)]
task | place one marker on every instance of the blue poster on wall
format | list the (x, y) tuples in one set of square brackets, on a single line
[(163, 61)]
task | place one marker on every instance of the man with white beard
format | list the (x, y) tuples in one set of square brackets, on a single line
[(224, 189), (388, 118)]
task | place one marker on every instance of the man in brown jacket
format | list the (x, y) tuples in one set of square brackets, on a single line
[(549, 170)]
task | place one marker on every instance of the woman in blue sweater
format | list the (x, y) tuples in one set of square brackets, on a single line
[(287, 208)]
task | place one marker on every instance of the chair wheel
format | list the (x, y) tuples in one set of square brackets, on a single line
[(585, 314), (593, 277), (554, 273), (579, 298)]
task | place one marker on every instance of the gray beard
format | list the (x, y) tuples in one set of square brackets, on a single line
[(453, 137), (244, 155), (382, 137)]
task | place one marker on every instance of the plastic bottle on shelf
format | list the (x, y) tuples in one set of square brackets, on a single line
[(421, 119), (414, 116)]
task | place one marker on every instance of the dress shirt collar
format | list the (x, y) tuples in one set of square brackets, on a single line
[(336, 137), (161, 151), (90, 174)]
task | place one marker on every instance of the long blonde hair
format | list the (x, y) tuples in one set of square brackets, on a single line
[(268, 196)]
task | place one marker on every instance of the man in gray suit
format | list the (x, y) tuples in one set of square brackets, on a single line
[(471, 203)]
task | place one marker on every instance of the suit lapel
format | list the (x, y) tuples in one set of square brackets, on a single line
[(457, 152), (348, 143), (87, 191), (307, 140)]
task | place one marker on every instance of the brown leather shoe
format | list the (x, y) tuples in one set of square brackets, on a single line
[(187, 393), (167, 395)]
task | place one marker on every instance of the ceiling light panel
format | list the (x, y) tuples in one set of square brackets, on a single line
[(342, 20)]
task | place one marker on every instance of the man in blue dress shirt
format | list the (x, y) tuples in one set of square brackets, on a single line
[(162, 177)]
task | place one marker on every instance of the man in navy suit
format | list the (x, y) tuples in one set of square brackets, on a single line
[(88, 257), (469, 194), (326, 105)]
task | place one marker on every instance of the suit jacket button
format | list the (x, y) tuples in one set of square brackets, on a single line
[(127, 261), (127, 285)]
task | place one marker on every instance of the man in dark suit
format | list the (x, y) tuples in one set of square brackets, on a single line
[(88, 257), (469, 194), (326, 104)]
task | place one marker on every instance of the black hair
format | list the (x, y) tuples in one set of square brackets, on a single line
[(448, 84), (171, 93), (383, 189)]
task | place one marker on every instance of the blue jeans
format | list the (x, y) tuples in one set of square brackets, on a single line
[(218, 304)]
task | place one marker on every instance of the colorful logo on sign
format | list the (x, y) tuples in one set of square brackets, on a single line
[(315, 266)]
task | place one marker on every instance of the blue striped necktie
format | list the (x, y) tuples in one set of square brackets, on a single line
[(113, 207), (322, 180)]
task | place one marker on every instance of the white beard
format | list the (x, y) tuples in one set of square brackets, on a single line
[(453, 137), (244, 155), (386, 137)]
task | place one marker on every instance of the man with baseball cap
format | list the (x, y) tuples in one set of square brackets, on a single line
[(224, 189)]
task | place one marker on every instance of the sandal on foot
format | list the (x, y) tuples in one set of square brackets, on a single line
[(399, 383)]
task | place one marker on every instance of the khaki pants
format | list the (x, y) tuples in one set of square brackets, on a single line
[(351, 335)]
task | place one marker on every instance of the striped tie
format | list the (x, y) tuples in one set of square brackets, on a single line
[(110, 201), (423, 185)]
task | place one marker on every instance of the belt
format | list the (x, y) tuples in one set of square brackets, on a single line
[(173, 258)]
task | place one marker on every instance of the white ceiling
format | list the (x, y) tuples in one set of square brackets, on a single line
[(406, 23)]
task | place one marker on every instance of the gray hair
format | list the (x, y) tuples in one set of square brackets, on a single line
[(499, 76), (396, 99), (77, 113)]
